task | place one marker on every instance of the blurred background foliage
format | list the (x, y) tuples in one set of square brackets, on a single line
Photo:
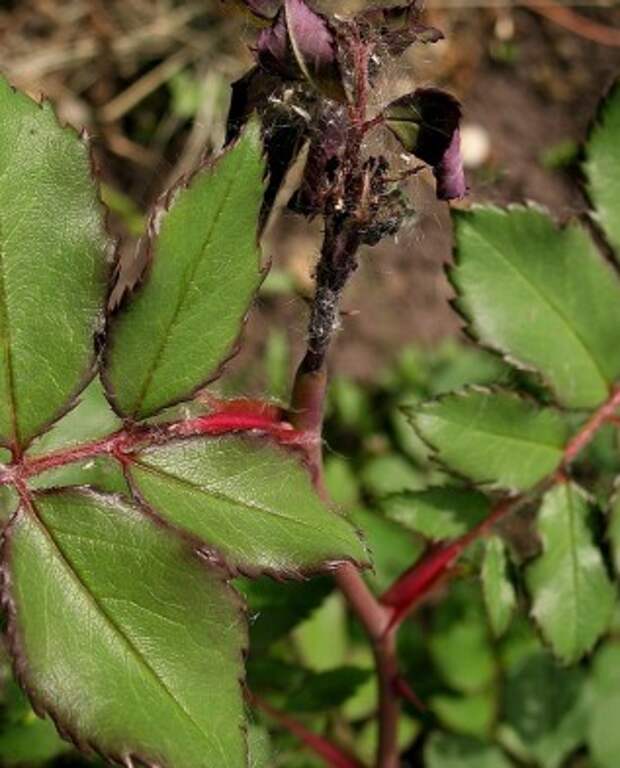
[(150, 79), (490, 694)]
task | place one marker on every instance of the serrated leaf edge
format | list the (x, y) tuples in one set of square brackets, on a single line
[(481, 486), (613, 92), (457, 302)]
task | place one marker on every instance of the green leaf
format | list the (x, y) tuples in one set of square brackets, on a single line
[(390, 473), (603, 733), (91, 419), (499, 594), (123, 634), (438, 513), (614, 531), (602, 160), (270, 674), (471, 715), (367, 740), (248, 500), (495, 438), (545, 709), (541, 295), (392, 547), (259, 748), (277, 364), (182, 324), (25, 739), (53, 270), (327, 690), (363, 704), (445, 751), (276, 608), (322, 640), (102, 473), (459, 642), (31, 742), (573, 598), (9, 501), (350, 407), (341, 481), (466, 365)]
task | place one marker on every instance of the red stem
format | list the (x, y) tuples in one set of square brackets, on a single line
[(408, 590), (332, 755), (606, 413), (123, 443)]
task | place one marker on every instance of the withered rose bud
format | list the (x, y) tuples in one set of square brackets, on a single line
[(397, 27), (303, 44), (426, 122)]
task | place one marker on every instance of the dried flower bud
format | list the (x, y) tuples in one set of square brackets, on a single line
[(274, 51), (397, 27), (302, 44), (426, 122), (324, 161), (283, 128)]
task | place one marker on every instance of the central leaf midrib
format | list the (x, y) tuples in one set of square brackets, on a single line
[(537, 291), (6, 343), (209, 492), (190, 273), (118, 631)]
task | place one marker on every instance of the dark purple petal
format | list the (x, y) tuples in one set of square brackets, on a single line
[(274, 50), (283, 143), (450, 175), (283, 130), (426, 122), (302, 44), (314, 43), (248, 94)]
